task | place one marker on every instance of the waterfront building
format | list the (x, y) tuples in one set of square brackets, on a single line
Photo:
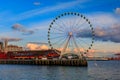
[(14, 48)]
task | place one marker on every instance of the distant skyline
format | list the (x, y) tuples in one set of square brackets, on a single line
[(28, 20)]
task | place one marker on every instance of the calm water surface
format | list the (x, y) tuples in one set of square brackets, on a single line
[(96, 70)]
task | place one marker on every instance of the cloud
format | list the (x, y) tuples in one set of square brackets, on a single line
[(36, 3), (81, 50), (43, 47), (38, 43), (111, 33), (21, 28), (10, 39), (106, 27), (61, 49), (33, 46), (103, 19), (117, 11)]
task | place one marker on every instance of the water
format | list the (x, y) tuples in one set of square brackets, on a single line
[(96, 70)]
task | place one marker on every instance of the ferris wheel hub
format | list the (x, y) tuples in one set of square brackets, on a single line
[(70, 33)]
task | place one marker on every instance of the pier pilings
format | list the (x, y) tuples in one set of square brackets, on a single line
[(50, 62)]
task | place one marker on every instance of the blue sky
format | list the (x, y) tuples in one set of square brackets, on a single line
[(33, 18)]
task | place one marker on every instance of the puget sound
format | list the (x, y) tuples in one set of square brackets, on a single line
[(96, 70)]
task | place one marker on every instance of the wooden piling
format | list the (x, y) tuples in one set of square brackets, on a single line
[(72, 62)]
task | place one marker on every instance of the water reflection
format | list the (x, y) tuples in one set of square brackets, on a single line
[(66, 73), (20, 72)]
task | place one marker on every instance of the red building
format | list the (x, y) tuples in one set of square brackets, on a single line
[(39, 54)]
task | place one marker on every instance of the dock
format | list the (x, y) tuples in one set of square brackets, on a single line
[(48, 62)]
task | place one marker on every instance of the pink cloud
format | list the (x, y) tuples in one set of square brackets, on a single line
[(32, 46)]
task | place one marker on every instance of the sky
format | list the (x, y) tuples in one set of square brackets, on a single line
[(26, 21)]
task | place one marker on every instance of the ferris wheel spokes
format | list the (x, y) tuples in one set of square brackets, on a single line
[(69, 31)]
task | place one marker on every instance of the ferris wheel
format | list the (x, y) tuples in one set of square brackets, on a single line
[(71, 32)]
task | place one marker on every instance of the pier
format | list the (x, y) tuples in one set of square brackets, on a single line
[(49, 62), (67, 45)]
